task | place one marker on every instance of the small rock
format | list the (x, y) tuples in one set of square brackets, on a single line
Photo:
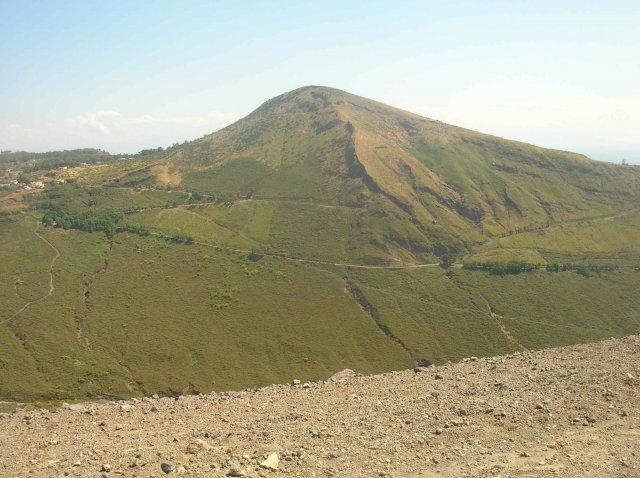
[(77, 407), (126, 407), (345, 375), (296, 382), (106, 468), (236, 471), (196, 445), (438, 376), (272, 462), (166, 468)]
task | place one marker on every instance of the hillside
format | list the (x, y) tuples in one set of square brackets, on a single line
[(323, 231), (569, 412), (406, 186), (54, 159)]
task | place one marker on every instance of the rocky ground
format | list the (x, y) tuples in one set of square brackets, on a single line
[(571, 411)]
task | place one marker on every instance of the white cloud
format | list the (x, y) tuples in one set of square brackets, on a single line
[(112, 131)]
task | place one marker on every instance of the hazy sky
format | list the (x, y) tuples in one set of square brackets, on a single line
[(123, 76)]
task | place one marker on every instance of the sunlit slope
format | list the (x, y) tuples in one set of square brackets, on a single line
[(257, 254), (423, 187)]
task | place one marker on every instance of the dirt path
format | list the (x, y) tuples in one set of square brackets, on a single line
[(221, 247), (360, 266), (51, 286), (326, 263)]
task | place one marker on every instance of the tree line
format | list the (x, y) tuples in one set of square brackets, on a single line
[(108, 221), (516, 267)]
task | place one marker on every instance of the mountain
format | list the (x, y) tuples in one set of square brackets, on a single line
[(323, 231), (415, 186)]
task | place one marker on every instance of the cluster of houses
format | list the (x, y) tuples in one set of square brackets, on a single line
[(39, 184), (34, 185)]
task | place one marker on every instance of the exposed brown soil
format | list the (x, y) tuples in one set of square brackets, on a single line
[(571, 411)]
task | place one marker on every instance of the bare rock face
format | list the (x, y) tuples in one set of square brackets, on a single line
[(569, 412)]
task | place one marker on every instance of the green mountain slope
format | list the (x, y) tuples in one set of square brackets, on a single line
[(416, 186), (302, 240)]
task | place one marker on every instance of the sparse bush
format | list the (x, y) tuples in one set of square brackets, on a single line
[(502, 268), (255, 256), (448, 259)]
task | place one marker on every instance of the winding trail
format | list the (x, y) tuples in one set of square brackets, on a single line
[(51, 286)]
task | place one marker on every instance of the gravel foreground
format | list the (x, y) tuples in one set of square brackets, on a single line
[(572, 411)]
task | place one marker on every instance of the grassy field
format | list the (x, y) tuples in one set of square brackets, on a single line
[(142, 315), (611, 239), (550, 309), (435, 319)]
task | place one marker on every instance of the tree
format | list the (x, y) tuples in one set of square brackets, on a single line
[(447, 260)]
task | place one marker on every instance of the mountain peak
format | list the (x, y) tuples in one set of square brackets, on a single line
[(307, 98)]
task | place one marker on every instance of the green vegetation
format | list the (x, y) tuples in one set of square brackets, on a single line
[(89, 221), (228, 262), (580, 268), (501, 268), (544, 310), (31, 162)]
